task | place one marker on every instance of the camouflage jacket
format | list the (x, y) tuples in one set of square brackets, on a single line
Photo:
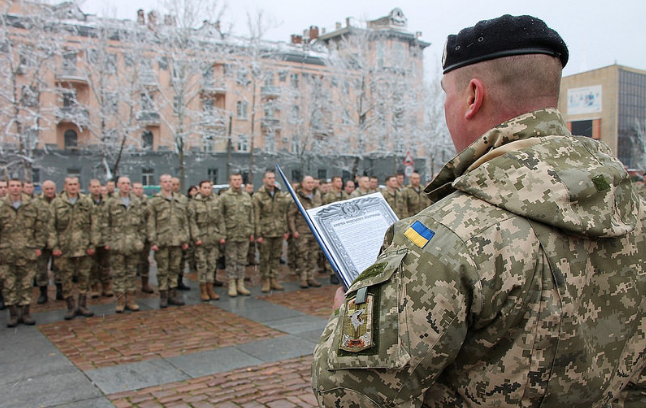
[(22, 230), (125, 227), (414, 200), (100, 208), (168, 221), (207, 223), (73, 228), (237, 209), (295, 219), (270, 212), (396, 201), (359, 193), (523, 285), (332, 196)]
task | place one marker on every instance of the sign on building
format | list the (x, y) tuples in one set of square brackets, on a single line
[(584, 100)]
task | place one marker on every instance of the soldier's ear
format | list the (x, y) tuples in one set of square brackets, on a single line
[(475, 97)]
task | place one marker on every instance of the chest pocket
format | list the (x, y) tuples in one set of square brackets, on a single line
[(390, 345)]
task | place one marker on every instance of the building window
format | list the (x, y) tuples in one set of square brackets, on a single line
[(69, 98), (296, 175), (70, 139), (282, 76), (243, 143), (147, 140), (270, 142), (147, 102), (69, 63), (296, 146), (35, 176), (241, 110), (147, 177), (111, 102), (208, 143), (293, 79), (213, 175), (582, 128), (322, 174)]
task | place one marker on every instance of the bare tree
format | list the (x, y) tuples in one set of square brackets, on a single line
[(639, 145)]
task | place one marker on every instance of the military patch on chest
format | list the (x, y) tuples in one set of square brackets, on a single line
[(357, 333)]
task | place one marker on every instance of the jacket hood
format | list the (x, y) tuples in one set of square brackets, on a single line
[(533, 167)]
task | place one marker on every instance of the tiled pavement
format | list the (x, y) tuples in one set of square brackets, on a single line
[(250, 351)]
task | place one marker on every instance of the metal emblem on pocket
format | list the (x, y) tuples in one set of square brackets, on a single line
[(357, 325)]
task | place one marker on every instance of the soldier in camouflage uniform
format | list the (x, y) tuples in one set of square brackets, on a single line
[(394, 197), (74, 232), (237, 209), (22, 237), (100, 275), (523, 285), (335, 194), (207, 232), (45, 261), (125, 234), (188, 255), (363, 188), (168, 234), (143, 268), (270, 210), (304, 243), (414, 198)]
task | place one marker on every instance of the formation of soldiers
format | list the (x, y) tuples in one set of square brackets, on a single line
[(96, 244)]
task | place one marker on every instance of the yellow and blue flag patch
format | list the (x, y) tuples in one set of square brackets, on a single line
[(419, 234)]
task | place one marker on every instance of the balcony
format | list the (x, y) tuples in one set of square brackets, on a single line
[(270, 124), (73, 114), (148, 118), (270, 91), (148, 79), (213, 88), (214, 121), (71, 76)]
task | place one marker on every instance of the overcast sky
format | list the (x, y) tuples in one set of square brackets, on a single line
[(598, 33)]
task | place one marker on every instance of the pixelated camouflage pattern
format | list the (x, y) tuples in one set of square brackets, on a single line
[(237, 209), (295, 220), (531, 292), (125, 227), (22, 231), (414, 200), (270, 212), (207, 223), (73, 228), (395, 200), (168, 221), (100, 207)]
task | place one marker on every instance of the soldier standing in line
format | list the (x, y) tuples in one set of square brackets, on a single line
[(188, 253), (168, 234), (125, 234), (22, 237), (251, 255), (237, 210), (414, 198), (144, 263), (207, 233), (45, 261), (100, 275), (28, 188), (349, 187), (270, 211), (374, 184), (3, 194), (335, 194), (73, 236), (303, 239), (363, 189), (394, 197)]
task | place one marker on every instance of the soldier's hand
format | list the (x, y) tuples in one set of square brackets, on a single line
[(260, 240), (38, 253), (154, 248), (107, 247), (296, 235), (184, 247), (286, 236), (222, 241), (90, 251), (198, 243), (251, 238), (57, 252)]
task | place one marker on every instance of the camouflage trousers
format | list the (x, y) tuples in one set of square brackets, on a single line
[(44, 265), (189, 256), (206, 258), (79, 266), (143, 267), (100, 267), (305, 255), (270, 251), (235, 254), (169, 260), (18, 280), (251, 255), (124, 270)]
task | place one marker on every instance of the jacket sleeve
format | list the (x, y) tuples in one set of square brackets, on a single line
[(256, 211), (96, 222), (292, 213), (52, 240), (151, 226), (194, 229)]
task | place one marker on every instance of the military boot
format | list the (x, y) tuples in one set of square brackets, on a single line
[(266, 285), (82, 309), (121, 302), (131, 304), (313, 282), (274, 285), (95, 292), (43, 295), (107, 289), (180, 283), (2, 306), (145, 286), (304, 284), (241, 289), (203, 293), (217, 283), (71, 308), (163, 299), (211, 292), (25, 318), (173, 299), (233, 292), (13, 316), (59, 291)]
